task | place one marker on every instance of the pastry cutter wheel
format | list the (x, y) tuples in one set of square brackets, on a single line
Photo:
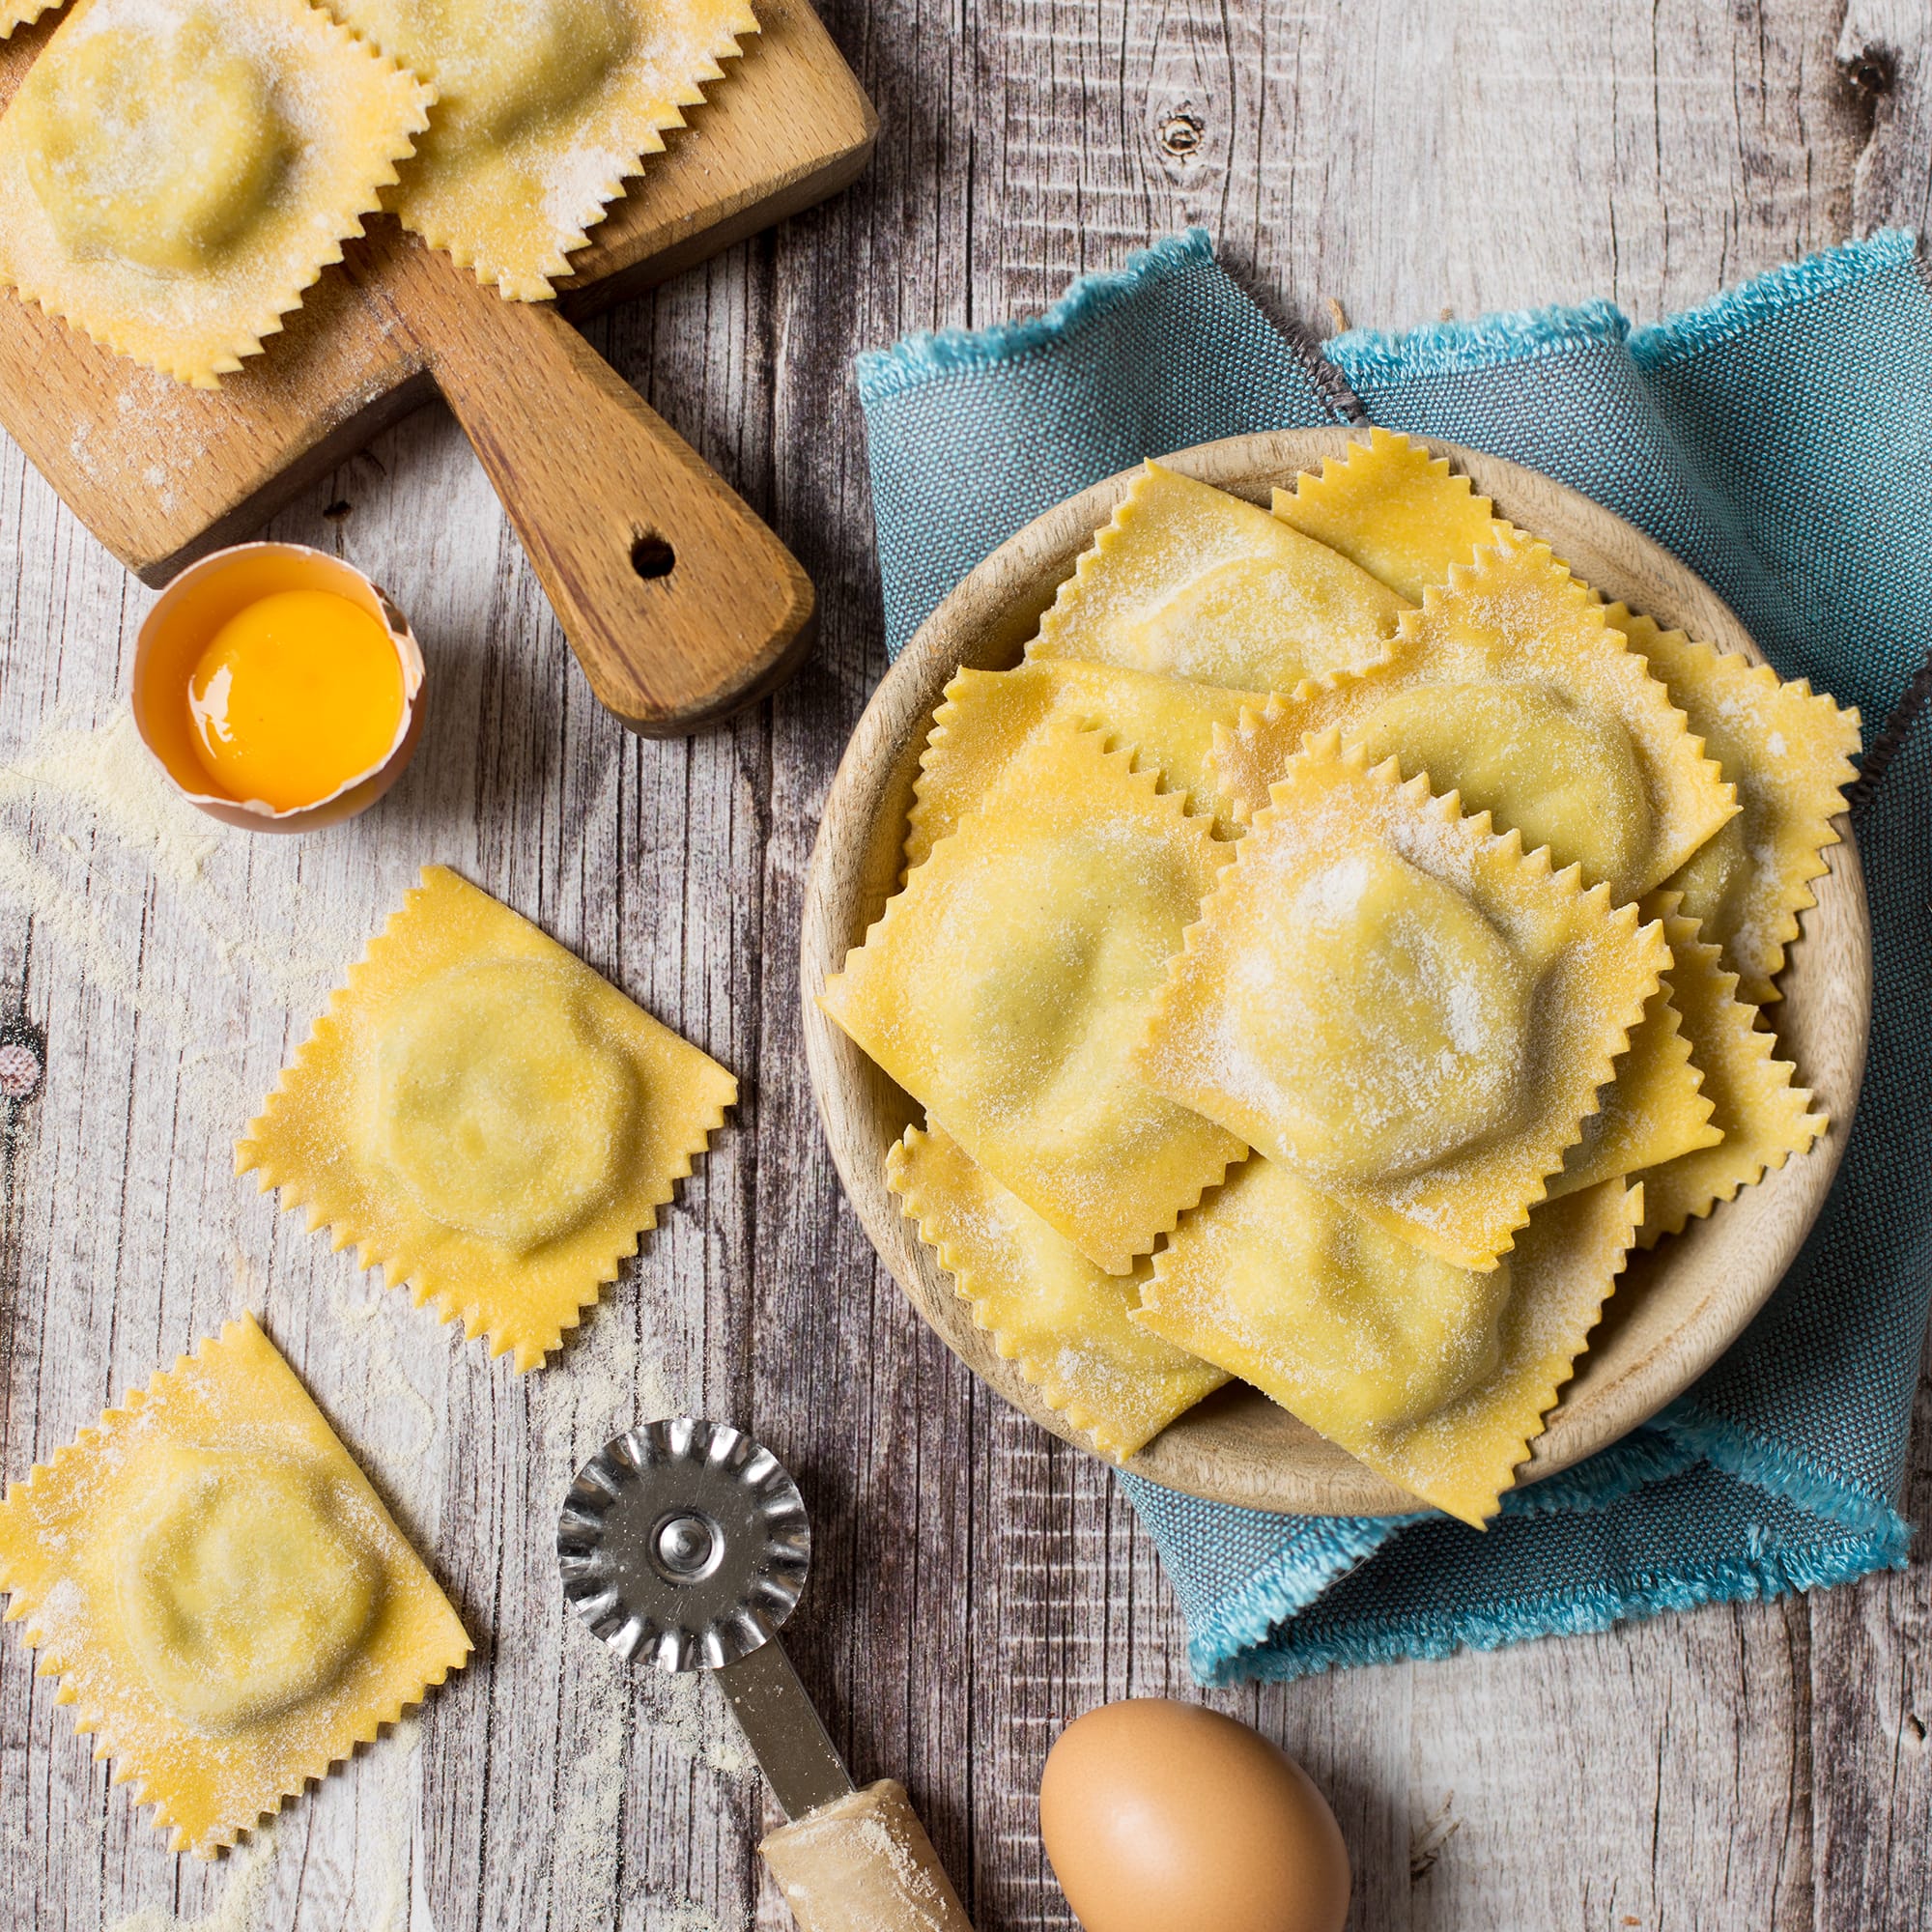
[(685, 1544)]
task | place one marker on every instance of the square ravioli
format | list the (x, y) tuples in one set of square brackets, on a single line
[(1192, 581), (488, 1120), (1399, 1004), (543, 108), (1763, 1116), (175, 173), (987, 716), (1066, 1326), (22, 14), (1788, 750), (1435, 1378), (1403, 514), (222, 1594), (1005, 989), (1509, 687), (1655, 1109)]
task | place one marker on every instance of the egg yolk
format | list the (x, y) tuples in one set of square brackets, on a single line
[(294, 695)]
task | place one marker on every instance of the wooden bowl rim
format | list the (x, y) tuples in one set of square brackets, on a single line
[(1238, 1447)]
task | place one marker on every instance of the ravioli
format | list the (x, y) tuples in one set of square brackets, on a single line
[(544, 108), (175, 173), (222, 1594), (1508, 688), (1397, 1002), (987, 716), (1191, 582), (1654, 1111), (1788, 752), (1434, 1377), (1401, 514), (488, 1120), (22, 14), (1005, 989), (1066, 1326), (1764, 1117)]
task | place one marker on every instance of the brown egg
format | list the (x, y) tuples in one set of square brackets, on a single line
[(1166, 1817)]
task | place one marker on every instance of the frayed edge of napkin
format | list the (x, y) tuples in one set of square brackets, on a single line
[(948, 351), (1375, 357), (1768, 295)]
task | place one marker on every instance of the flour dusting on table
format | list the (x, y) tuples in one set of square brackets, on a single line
[(91, 830), (246, 1874)]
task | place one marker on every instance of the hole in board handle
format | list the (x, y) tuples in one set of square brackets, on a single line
[(652, 558)]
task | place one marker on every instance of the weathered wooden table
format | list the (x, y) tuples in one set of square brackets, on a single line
[(976, 1584)]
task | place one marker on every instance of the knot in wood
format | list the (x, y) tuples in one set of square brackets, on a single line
[(1181, 135), (1872, 72)]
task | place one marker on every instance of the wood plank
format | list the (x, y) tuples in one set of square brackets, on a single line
[(976, 1584), (1870, 1705)]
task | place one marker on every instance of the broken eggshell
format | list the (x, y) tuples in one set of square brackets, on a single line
[(188, 615)]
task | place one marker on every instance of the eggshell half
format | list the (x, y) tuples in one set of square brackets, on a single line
[(188, 615), (1167, 1817)]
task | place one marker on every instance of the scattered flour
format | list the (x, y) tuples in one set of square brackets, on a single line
[(664, 1915), (690, 1713), (90, 832), (103, 782), (604, 1381), (684, 1714), (246, 1873), (110, 775), (584, 1853), (362, 1310), (387, 1851), (1333, 893)]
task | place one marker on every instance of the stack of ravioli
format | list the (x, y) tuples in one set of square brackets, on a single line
[(175, 173), (1328, 955)]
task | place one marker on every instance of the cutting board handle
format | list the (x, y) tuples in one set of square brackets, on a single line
[(681, 604)]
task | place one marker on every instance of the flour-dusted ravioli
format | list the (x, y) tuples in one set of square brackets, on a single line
[(544, 107), (1194, 583), (1065, 1324), (222, 1594), (1764, 1117), (175, 173), (1396, 1002), (488, 1120), (1330, 1314), (1435, 1378), (1508, 687), (22, 14), (1006, 987), (987, 716), (1391, 507), (1654, 1111), (1788, 750)]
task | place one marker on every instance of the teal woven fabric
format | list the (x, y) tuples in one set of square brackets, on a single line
[(1778, 442)]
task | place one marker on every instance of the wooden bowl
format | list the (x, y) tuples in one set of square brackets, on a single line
[(1676, 1309)]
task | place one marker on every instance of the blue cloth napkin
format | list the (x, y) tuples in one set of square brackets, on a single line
[(1780, 442)]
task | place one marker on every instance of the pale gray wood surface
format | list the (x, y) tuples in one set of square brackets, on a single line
[(977, 1584)]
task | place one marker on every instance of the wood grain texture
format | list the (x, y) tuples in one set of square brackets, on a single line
[(1678, 1307), (975, 1583)]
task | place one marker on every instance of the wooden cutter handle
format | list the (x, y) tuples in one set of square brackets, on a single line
[(681, 604), (864, 1863)]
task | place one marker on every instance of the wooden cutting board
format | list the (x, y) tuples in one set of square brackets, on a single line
[(680, 604)]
